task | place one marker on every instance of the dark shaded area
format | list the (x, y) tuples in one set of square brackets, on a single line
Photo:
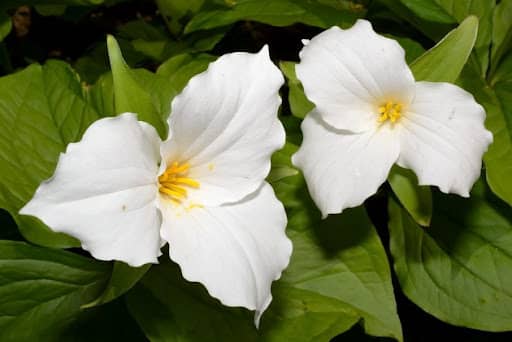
[(71, 35), (105, 323), (8, 228)]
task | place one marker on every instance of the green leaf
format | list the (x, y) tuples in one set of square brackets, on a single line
[(42, 109), (163, 49), (338, 275), (5, 24), (401, 13), (444, 62), (441, 10), (101, 95), (42, 290), (299, 103), (501, 32), (458, 269), (141, 29), (122, 279), (276, 13), (281, 164), (339, 265), (168, 308), (129, 95), (179, 69), (167, 82), (51, 10), (429, 10), (174, 11), (498, 159), (413, 49), (417, 200)]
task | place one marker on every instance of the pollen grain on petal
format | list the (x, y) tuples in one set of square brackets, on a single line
[(174, 182)]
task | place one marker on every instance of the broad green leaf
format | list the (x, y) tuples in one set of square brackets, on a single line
[(340, 258), (458, 269), (168, 308), (122, 279), (339, 261), (42, 109), (274, 12), (174, 11), (338, 276), (141, 29), (101, 95), (299, 103), (129, 94), (429, 10), (459, 10), (417, 200), (498, 159), (444, 62), (43, 289), (501, 32), (5, 24), (400, 13), (163, 49), (179, 69), (167, 82), (413, 49)]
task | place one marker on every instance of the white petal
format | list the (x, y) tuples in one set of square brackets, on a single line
[(343, 169), (348, 74), (234, 250), (443, 137), (103, 192), (225, 125)]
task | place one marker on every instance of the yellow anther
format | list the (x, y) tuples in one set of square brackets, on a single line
[(187, 181), (172, 193), (174, 180), (391, 111)]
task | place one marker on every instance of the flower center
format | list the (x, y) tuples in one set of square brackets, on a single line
[(391, 111), (174, 182)]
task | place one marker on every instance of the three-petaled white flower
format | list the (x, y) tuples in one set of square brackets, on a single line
[(370, 113), (123, 192)]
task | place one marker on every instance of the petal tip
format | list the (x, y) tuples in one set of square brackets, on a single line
[(265, 50), (259, 312)]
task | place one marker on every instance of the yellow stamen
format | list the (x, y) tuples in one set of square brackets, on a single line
[(391, 111), (187, 181), (173, 194), (174, 180)]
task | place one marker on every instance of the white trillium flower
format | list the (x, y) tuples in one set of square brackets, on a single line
[(123, 192), (370, 113)]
